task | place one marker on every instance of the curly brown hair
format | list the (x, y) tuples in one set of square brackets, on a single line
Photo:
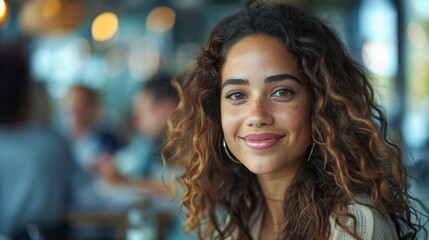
[(353, 154)]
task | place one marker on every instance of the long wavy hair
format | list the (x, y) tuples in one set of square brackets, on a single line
[(353, 154)]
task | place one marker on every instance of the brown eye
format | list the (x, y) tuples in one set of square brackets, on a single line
[(283, 93), (236, 96)]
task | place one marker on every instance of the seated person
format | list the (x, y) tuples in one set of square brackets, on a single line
[(153, 104), (89, 141), (35, 163)]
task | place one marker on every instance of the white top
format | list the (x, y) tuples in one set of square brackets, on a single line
[(370, 224)]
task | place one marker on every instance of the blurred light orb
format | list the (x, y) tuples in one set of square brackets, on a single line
[(421, 7), (115, 62), (417, 35), (161, 19), (2, 8), (105, 26), (3, 11), (376, 57), (144, 59), (50, 17), (76, 53), (51, 8)]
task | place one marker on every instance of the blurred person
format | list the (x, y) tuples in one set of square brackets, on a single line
[(88, 138), (89, 142), (154, 102), (36, 169)]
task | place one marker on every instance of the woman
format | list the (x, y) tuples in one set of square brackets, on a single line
[(280, 137)]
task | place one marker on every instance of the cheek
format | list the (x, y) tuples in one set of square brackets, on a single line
[(295, 119), (229, 121)]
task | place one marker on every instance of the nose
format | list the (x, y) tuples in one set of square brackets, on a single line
[(259, 114)]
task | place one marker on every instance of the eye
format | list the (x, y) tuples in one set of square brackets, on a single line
[(236, 96), (283, 93)]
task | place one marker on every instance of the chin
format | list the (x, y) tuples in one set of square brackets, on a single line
[(258, 171), (261, 167), (270, 164), (261, 171)]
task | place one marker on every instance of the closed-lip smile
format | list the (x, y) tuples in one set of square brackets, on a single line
[(261, 141)]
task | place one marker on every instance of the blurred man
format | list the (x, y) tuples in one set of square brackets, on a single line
[(88, 139), (89, 142), (153, 104)]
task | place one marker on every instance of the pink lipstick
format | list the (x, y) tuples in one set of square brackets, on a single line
[(261, 141)]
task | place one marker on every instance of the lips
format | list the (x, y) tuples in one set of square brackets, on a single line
[(262, 141)]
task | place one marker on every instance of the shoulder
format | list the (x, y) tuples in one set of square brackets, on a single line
[(50, 136), (370, 224), (35, 133)]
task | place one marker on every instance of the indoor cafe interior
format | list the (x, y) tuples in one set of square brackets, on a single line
[(88, 61)]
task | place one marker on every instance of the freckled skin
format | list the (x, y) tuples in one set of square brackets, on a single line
[(280, 107)]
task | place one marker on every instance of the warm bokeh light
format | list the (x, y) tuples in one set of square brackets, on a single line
[(2, 8), (50, 17), (160, 19), (3, 11), (416, 34), (51, 8), (104, 26)]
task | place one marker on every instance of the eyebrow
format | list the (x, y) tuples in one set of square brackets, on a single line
[(235, 81), (281, 77), (270, 79)]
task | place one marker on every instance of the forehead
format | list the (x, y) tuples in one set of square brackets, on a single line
[(81, 94), (263, 41), (258, 54), (144, 97)]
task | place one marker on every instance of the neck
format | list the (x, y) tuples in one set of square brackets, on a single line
[(273, 191), (273, 188)]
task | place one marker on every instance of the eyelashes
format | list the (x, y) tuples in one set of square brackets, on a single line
[(236, 96), (282, 94)]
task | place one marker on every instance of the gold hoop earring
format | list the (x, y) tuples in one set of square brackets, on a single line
[(228, 154), (311, 152)]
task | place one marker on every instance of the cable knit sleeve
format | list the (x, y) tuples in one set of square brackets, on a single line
[(370, 225)]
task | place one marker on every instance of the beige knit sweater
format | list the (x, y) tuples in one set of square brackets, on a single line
[(370, 224)]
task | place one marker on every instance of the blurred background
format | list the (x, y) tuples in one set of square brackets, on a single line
[(113, 47)]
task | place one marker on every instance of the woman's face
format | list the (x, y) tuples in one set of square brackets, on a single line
[(265, 106)]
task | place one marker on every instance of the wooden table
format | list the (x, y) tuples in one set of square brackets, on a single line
[(99, 219)]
